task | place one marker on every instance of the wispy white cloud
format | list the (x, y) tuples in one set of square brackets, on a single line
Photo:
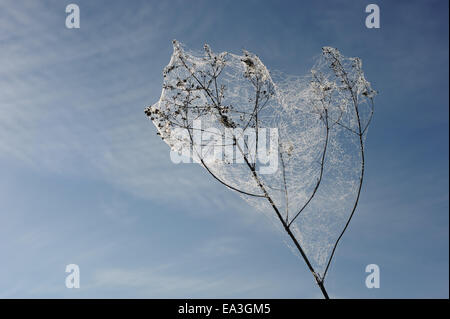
[(222, 246), (158, 283), (56, 116)]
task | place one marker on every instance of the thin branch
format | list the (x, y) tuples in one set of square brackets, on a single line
[(320, 174), (361, 143)]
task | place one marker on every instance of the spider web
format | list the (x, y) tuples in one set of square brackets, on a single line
[(313, 121)]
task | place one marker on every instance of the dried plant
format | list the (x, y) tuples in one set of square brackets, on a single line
[(311, 182)]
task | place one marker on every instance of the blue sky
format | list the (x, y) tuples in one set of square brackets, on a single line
[(85, 179)]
